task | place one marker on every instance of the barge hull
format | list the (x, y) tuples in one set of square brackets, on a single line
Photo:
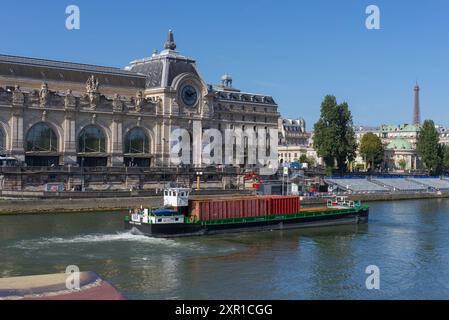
[(183, 230)]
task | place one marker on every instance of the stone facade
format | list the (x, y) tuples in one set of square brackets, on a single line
[(295, 141), (59, 113), (399, 144)]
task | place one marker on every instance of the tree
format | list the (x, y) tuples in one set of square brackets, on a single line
[(334, 138), (402, 164), (309, 160), (429, 148), (372, 150), (445, 158)]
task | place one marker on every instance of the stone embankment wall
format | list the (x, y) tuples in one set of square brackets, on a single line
[(27, 205), (393, 196), (109, 202)]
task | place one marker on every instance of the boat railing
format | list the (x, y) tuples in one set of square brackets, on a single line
[(342, 202)]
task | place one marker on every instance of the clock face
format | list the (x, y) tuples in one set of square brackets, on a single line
[(189, 95)]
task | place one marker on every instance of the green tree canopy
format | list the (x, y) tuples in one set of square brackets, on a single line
[(402, 164), (305, 159), (445, 152), (334, 138), (371, 149), (429, 148)]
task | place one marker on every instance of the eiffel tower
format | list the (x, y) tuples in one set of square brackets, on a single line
[(416, 111)]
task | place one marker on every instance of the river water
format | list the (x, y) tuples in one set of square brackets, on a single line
[(407, 240)]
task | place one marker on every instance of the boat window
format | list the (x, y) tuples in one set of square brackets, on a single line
[(159, 220), (177, 219)]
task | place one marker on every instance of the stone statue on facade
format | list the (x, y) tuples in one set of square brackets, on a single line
[(69, 100), (92, 85), (117, 103), (44, 95), (139, 101), (17, 96), (92, 88)]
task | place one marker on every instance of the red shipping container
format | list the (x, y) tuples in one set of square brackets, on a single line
[(241, 209), (226, 210), (207, 209)]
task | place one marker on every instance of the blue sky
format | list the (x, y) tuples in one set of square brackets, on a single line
[(297, 51)]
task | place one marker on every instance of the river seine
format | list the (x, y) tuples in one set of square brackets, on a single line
[(408, 241)]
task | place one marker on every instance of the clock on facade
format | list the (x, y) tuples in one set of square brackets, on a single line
[(189, 95)]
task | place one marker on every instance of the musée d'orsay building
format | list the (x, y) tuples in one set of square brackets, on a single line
[(60, 113)]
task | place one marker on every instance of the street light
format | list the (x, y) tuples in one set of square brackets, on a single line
[(82, 174), (198, 179)]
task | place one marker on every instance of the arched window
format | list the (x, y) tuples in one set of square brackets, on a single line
[(41, 138), (2, 141), (136, 142), (91, 140)]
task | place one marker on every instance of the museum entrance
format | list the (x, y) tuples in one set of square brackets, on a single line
[(92, 161), (41, 146), (137, 148), (41, 161), (137, 162)]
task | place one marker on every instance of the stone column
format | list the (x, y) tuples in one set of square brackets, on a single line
[(158, 144), (17, 134), (197, 143), (117, 142), (69, 148), (165, 130)]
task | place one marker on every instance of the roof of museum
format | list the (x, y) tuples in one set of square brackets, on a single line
[(161, 69), (158, 71), (50, 70)]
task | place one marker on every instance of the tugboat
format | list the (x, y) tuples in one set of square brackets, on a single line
[(182, 216)]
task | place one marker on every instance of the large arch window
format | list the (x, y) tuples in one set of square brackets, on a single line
[(92, 140), (41, 138), (137, 142), (2, 141)]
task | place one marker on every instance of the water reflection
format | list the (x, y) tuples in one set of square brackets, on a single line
[(407, 240)]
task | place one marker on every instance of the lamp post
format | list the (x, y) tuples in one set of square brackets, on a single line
[(284, 174), (82, 174), (198, 180)]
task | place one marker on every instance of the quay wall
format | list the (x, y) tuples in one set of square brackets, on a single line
[(386, 196), (37, 203), (116, 203)]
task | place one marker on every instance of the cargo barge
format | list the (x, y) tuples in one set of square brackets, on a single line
[(182, 216)]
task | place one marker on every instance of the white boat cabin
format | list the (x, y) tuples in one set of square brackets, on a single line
[(176, 197)]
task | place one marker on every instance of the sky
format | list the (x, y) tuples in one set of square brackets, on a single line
[(298, 51)]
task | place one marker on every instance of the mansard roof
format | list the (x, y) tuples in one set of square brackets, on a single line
[(161, 69), (50, 70)]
